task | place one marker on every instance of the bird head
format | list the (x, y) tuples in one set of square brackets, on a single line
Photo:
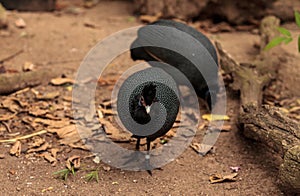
[(148, 97)]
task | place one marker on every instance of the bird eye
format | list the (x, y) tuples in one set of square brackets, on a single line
[(142, 100)]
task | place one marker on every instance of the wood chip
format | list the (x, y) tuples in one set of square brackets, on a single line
[(217, 178), (28, 66), (48, 96), (16, 149), (61, 81)]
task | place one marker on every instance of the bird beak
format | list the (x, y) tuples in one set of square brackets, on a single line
[(148, 107)]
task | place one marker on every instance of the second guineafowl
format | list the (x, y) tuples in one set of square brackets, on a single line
[(155, 43)]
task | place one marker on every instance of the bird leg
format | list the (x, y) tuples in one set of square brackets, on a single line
[(148, 145), (137, 145), (148, 156)]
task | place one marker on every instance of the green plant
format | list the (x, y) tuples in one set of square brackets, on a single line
[(286, 36), (64, 173), (93, 175)]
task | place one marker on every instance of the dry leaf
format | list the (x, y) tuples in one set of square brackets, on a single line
[(235, 169), (37, 141), (20, 23), (150, 19), (202, 125), (68, 135), (54, 117), (53, 123), (217, 178), (79, 145), (107, 111), (68, 98), (16, 149), (106, 82), (109, 128), (215, 117), (54, 152), (7, 117), (294, 109), (43, 147), (28, 66), (11, 104), (96, 160), (61, 81), (73, 161), (48, 96), (49, 158), (106, 168), (201, 148), (226, 128), (36, 111), (89, 24), (108, 103), (284, 110), (100, 114), (47, 189)]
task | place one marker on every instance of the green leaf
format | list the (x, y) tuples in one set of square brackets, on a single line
[(62, 173), (92, 176), (297, 18), (299, 43), (275, 42), (288, 40), (284, 31)]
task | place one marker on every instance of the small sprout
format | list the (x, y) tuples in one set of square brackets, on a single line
[(93, 175), (297, 18), (64, 173), (277, 41), (284, 31), (286, 36)]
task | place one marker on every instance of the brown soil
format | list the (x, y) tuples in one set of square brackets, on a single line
[(61, 41)]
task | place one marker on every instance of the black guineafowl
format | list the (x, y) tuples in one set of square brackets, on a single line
[(152, 107), (159, 44)]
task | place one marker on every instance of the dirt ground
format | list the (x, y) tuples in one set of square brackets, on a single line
[(60, 41)]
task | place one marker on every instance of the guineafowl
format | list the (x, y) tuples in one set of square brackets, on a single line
[(199, 64), (148, 104)]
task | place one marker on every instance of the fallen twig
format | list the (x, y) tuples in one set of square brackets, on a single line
[(11, 56), (24, 137), (6, 126)]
